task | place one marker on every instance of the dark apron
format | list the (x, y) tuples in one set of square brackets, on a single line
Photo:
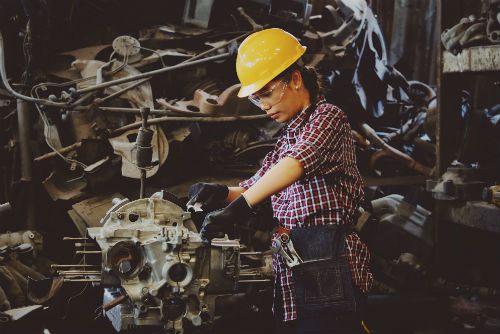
[(323, 282)]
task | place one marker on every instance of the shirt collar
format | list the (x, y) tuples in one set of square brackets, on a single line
[(302, 116)]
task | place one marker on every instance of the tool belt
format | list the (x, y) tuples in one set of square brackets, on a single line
[(321, 274)]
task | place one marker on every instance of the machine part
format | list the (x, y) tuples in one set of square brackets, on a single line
[(411, 218), (451, 37), (151, 73), (12, 288), (387, 150), (125, 146), (492, 195), (60, 186), (144, 149), (493, 23), (203, 103), (4, 301), (341, 23), (152, 253), (41, 291), (11, 262), (32, 238), (459, 183), (90, 211), (126, 46)]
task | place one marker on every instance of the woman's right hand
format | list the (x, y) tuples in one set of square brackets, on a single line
[(207, 196)]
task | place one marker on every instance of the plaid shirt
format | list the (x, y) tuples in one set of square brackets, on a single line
[(329, 192)]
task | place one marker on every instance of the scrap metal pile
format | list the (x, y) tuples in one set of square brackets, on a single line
[(81, 124)]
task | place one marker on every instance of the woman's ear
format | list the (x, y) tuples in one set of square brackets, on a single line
[(296, 80)]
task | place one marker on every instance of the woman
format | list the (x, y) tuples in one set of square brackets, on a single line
[(312, 179)]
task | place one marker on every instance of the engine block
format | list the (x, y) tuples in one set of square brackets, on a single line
[(154, 261)]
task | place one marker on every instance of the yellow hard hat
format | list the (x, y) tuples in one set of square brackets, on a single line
[(263, 55)]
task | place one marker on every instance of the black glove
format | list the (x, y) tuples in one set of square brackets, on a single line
[(211, 196), (220, 222)]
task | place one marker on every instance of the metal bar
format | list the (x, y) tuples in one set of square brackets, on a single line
[(120, 92), (88, 252), (79, 272), (23, 123), (254, 281), (82, 280), (187, 119), (72, 238), (250, 253), (73, 265), (162, 112), (61, 151), (152, 73), (79, 244)]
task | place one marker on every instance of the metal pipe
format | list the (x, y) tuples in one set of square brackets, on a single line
[(187, 119), (120, 92), (73, 265), (72, 238), (152, 73), (88, 252), (79, 244), (23, 123), (79, 272), (61, 151), (254, 280), (162, 112)]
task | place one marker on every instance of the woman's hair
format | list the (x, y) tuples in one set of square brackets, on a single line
[(309, 77)]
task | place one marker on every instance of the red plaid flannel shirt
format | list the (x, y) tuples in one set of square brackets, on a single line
[(329, 192)]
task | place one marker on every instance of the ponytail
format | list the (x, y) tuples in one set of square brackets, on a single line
[(309, 77)]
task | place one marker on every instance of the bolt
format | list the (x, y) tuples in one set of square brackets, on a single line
[(120, 216)]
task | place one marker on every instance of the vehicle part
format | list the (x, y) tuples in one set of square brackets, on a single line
[(227, 103), (152, 254), (414, 219), (12, 239), (459, 183)]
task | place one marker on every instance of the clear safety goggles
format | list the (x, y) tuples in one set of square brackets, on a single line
[(270, 96)]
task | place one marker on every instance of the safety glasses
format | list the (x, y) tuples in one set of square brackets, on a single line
[(269, 97)]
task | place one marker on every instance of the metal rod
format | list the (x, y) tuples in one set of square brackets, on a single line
[(88, 252), (113, 303), (254, 280), (120, 92), (187, 119), (250, 253), (142, 189), (73, 265), (82, 280), (79, 272), (152, 73), (79, 244), (72, 238), (61, 151), (23, 123)]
